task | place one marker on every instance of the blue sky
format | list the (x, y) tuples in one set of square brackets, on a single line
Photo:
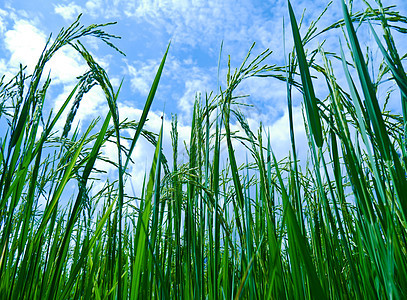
[(195, 28)]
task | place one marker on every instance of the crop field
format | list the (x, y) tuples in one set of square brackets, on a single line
[(331, 227)]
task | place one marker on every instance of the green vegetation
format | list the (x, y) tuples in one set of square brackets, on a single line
[(334, 227)]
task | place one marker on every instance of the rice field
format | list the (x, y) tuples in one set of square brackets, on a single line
[(333, 227)]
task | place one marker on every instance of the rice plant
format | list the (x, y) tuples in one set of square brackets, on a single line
[(214, 227)]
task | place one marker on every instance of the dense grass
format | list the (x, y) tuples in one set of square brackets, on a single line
[(334, 227)]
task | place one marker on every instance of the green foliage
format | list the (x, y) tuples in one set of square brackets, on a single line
[(211, 228)]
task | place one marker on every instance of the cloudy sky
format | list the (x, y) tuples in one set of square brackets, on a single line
[(196, 30)]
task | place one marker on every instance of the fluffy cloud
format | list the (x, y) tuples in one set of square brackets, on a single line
[(193, 88), (25, 42), (199, 23), (142, 75), (181, 81), (194, 23), (144, 150), (69, 12), (3, 15)]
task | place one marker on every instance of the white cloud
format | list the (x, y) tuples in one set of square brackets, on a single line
[(66, 65), (195, 23), (193, 88), (92, 105), (69, 12), (3, 67), (279, 131), (144, 150), (3, 15), (142, 75), (185, 75), (93, 6), (25, 43)]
